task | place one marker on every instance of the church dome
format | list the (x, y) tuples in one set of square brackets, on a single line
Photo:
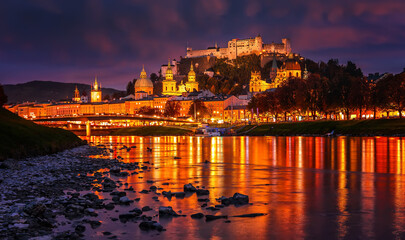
[(143, 81)]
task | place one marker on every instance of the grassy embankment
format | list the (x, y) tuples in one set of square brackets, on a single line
[(378, 127), (22, 138), (153, 131)]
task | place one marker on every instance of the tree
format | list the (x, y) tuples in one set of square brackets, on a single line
[(147, 111), (172, 109), (359, 94), (392, 89), (106, 98), (118, 95), (198, 109), (316, 93), (3, 96), (154, 77), (131, 87)]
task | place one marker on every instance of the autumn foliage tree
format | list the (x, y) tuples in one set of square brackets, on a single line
[(198, 109), (172, 109), (146, 110)]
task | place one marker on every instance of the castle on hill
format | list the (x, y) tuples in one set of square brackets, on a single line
[(240, 47)]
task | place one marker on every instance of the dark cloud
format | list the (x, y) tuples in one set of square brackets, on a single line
[(74, 40)]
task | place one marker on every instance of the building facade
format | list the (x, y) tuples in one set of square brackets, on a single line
[(241, 47), (143, 84), (96, 92)]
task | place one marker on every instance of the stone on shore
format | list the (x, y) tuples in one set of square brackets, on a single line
[(151, 225), (167, 212), (189, 188), (213, 217), (197, 215)]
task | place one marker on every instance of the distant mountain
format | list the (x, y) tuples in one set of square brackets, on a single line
[(42, 91)]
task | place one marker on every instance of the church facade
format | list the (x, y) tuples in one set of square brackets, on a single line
[(170, 87), (95, 94), (278, 75)]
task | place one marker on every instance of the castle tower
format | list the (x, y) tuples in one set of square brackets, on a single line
[(76, 97), (96, 92), (169, 84), (191, 85)]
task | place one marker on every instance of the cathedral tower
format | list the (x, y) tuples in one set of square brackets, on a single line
[(95, 92), (76, 98), (191, 85), (169, 84)]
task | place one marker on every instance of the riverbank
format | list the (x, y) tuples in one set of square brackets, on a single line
[(373, 127), (21, 138), (32, 189), (76, 193), (153, 131)]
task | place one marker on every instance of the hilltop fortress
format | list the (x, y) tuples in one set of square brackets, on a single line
[(240, 47)]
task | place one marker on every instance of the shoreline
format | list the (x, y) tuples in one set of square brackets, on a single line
[(33, 189)]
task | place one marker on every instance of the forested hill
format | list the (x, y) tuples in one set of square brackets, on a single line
[(42, 91)]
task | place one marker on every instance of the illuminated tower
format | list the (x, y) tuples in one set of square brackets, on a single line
[(169, 84), (191, 85), (96, 92), (257, 84), (76, 98)]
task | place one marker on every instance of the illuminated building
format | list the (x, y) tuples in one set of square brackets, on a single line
[(191, 85), (239, 47), (76, 97), (290, 68), (143, 84), (95, 92), (257, 84), (169, 84)]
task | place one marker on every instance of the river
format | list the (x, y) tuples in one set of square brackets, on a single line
[(308, 187)]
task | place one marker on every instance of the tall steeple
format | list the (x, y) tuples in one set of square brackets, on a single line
[(95, 85), (191, 74), (169, 72), (143, 73)]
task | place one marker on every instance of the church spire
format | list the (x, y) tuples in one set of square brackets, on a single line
[(143, 73), (95, 83), (191, 74)]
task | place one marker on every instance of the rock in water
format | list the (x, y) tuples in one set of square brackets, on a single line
[(250, 215), (237, 199), (213, 217), (167, 211), (189, 188), (146, 208), (197, 215), (201, 192), (240, 199), (151, 225)]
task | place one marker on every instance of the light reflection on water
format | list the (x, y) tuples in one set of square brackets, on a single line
[(310, 187)]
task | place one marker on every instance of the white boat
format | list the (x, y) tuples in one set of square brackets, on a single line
[(207, 132)]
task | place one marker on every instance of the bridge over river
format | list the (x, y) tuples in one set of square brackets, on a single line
[(107, 123)]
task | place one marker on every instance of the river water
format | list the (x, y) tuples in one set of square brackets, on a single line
[(308, 187)]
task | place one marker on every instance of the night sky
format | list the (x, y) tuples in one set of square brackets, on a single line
[(72, 41)]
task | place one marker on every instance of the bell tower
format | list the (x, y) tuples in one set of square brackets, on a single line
[(96, 92)]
